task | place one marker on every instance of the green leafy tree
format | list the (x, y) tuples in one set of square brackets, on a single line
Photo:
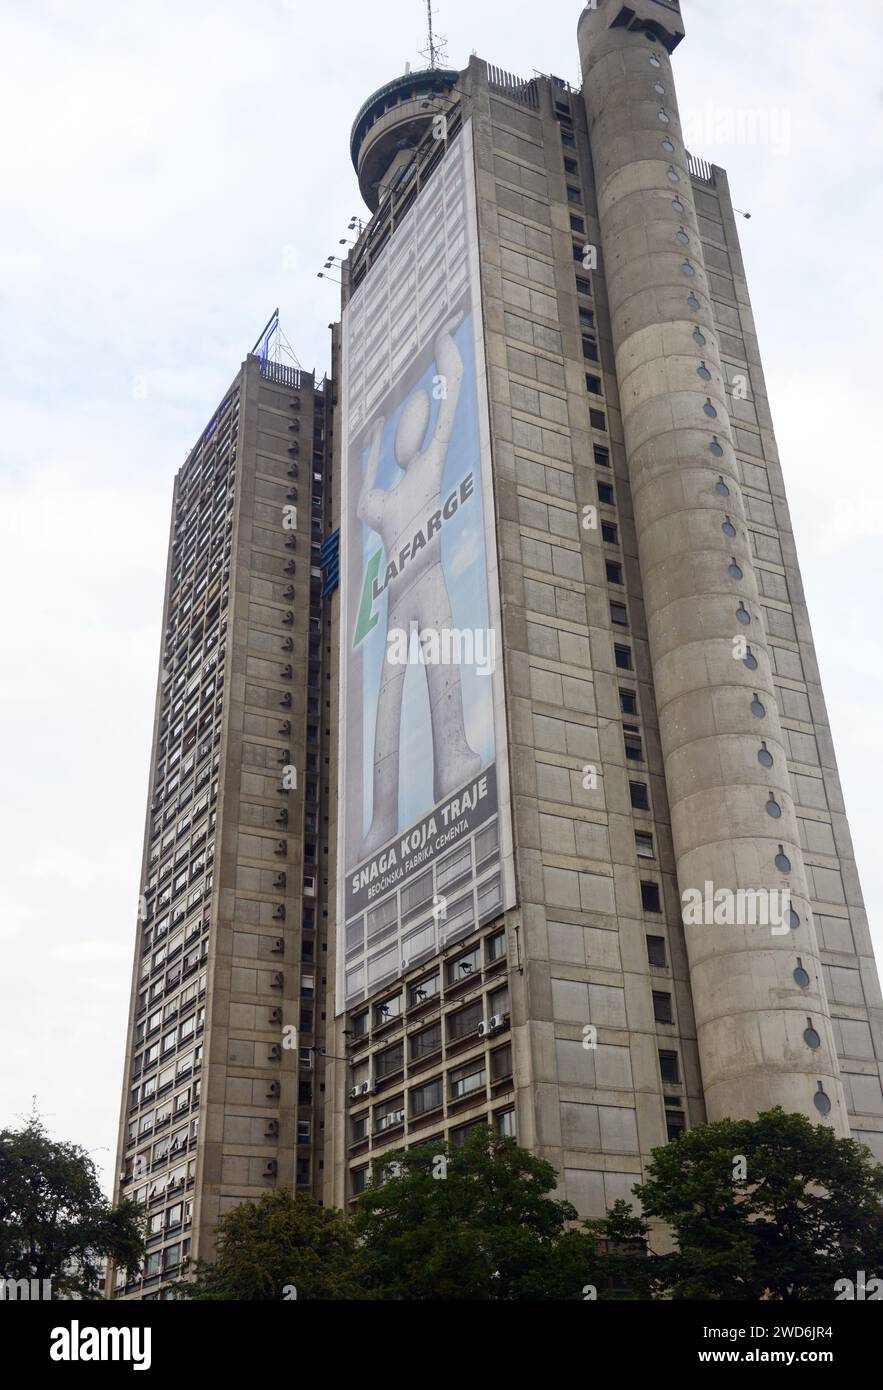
[(472, 1222), (278, 1248), (772, 1208), (55, 1222)]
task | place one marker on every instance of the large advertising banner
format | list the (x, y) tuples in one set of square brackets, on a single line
[(424, 840)]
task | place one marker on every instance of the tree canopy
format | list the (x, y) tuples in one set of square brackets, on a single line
[(55, 1222)]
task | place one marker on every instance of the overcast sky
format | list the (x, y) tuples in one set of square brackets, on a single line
[(173, 171)]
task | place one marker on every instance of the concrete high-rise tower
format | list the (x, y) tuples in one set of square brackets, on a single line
[(638, 907), (220, 1098)]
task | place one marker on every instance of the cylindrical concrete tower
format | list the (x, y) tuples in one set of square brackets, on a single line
[(764, 1029)]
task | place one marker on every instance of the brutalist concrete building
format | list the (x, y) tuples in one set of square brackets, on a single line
[(595, 880), (220, 1101)]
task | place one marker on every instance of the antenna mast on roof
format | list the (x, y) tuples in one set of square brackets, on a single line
[(436, 53)]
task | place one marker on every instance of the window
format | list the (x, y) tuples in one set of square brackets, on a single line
[(644, 844), (610, 532), (359, 1128), (628, 701), (568, 139), (623, 657), (360, 1026), (571, 166), (501, 1063), (587, 318), (387, 1011), (668, 1068), (662, 1010), (495, 947), (613, 571), (573, 194), (593, 385), (651, 898), (498, 1002), (675, 1123), (466, 1081), (424, 990), (426, 1098), (640, 796), (360, 1180), (598, 418), (425, 1043), (602, 456), (606, 494), (392, 1060), (388, 1115), (464, 966), (504, 1124), (590, 350), (634, 748), (619, 615), (656, 951), (465, 1023), (583, 286)]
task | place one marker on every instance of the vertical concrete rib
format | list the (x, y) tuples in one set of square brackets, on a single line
[(764, 1038)]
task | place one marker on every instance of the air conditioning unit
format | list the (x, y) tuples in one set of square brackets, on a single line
[(366, 1088), (355, 1092), (484, 1028), (497, 1022)]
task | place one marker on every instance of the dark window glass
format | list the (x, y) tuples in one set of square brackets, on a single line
[(640, 796), (651, 899), (656, 950), (669, 1069), (662, 1010)]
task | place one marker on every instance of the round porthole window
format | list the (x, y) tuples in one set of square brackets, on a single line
[(700, 339), (766, 759), (728, 528), (821, 1101), (688, 269), (758, 708), (653, 58), (774, 809), (665, 117), (703, 372), (735, 569), (750, 660), (683, 237), (791, 919), (783, 863), (716, 448), (693, 302), (658, 87), (811, 1037), (673, 175), (668, 146), (743, 615), (721, 488), (678, 205), (801, 976), (709, 409)]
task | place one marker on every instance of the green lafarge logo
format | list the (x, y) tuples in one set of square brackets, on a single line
[(367, 619)]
